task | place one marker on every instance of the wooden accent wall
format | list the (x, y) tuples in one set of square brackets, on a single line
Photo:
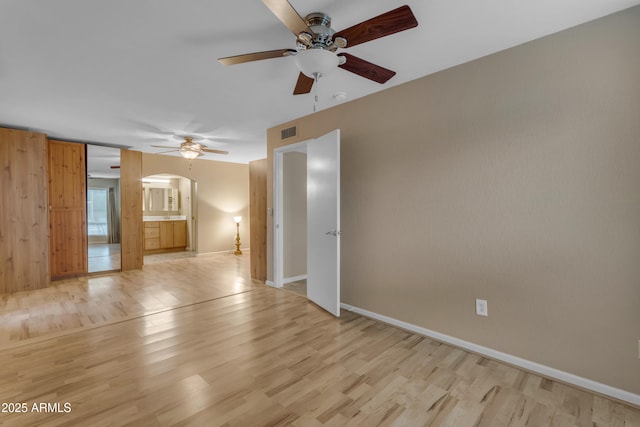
[(131, 209), (24, 232), (67, 209), (258, 218)]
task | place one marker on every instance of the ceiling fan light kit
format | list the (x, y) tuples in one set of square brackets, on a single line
[(189, 153), (316, 63), (317, 43), (189, 149)]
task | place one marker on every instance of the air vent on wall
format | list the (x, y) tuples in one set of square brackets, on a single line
[(288, 132)]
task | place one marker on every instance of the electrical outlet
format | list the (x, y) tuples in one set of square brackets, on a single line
[(481, 307)]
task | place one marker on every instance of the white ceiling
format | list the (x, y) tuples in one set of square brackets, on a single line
[(100, 161), (134, 73)]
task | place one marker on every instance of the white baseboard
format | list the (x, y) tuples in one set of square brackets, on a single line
[(294, 279), (285, 281), (528, 365)]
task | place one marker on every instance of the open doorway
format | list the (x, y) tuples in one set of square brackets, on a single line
[(169, 217), (307, 219), (294, 220), (103, 209)]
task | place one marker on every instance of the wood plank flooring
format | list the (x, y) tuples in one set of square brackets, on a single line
[(75, 304), (264, 357), (299, 287)]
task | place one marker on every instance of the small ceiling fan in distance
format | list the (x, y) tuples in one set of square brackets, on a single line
[(317, 43), (190, 149)]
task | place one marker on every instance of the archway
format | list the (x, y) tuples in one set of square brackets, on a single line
[(169, 216)]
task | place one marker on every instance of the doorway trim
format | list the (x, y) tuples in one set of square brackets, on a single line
[(194, 214)]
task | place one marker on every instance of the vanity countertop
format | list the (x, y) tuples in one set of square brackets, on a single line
[(164, 218)]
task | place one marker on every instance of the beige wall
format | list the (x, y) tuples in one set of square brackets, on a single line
[(294, 212), (223, 192), (513, 178)]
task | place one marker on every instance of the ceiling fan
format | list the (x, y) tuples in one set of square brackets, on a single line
[(190, 149), (317, 43)]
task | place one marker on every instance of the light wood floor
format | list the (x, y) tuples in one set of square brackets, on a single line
[(103, 257), (161, 257), (298, 288), (264, 357), (75, 304)]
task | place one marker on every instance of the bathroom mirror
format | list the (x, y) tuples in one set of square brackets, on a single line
[(162, 199)]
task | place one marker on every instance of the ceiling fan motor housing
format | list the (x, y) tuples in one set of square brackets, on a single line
[(322, 37)]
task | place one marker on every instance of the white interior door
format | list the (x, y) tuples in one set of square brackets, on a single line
[(323, 221)]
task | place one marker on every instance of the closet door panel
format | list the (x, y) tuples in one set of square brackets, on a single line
[(67, 209), (24, 224), (69, 247)]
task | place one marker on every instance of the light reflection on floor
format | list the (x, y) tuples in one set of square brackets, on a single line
[(150, 259), (91, 301), (103, 257)]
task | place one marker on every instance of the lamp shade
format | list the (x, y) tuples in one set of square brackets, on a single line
[(316, 62), (237, 219)]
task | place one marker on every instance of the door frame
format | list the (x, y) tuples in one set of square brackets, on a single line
[(278, 203), (194, 214)]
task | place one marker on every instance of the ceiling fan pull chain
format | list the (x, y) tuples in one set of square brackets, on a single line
[(316, 77)]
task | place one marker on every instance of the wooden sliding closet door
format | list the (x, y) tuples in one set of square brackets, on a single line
[(67, 209), (24, 227)]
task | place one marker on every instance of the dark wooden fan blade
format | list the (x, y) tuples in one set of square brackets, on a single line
[(288, 16), (257, 56), (392, 22), (366, 69), (209, 150), (303, 85)]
